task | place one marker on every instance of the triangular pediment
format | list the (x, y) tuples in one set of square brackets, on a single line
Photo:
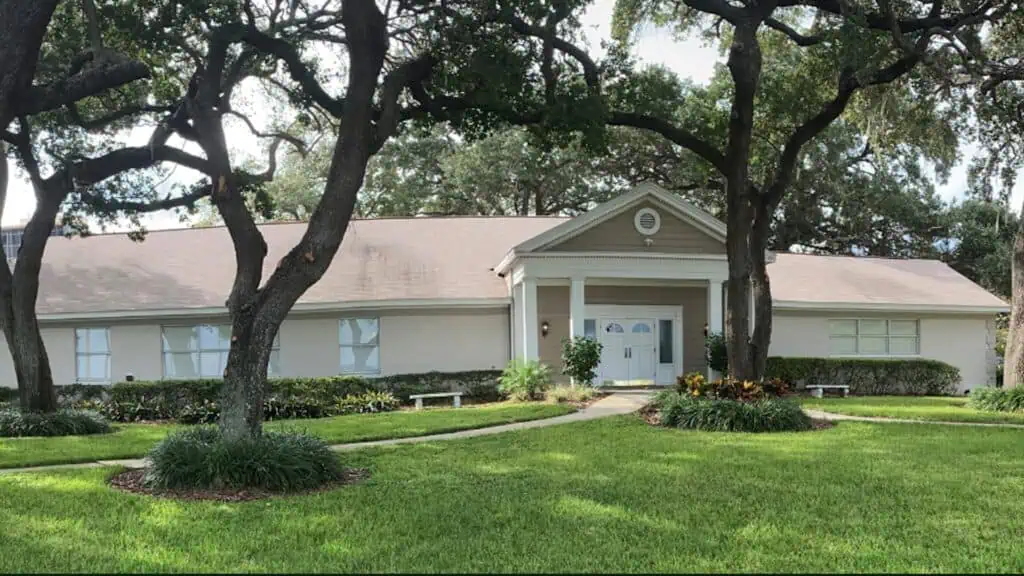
[(646, 219)]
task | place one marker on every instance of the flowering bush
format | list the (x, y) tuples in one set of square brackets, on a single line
[(696, 385)]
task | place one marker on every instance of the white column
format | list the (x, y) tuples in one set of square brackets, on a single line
[(714, 313), (714, 306), (576, 307), (531, 349)]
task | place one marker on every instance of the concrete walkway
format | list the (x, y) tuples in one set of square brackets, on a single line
[(616, 404), (818, 414)]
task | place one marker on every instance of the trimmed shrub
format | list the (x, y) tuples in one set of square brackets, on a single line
[(911, 377), (997, 399), (570, 394), (696, 385), (278, 461), (580, 357), (196, 401), (524, 380), (715, 352), (15, 423), (723, 415)]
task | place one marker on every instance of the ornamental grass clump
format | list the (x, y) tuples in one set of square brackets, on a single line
[(201, 458), (15, 423), (678, 410)]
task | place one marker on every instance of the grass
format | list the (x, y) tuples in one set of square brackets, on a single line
[(134, 440), (611, 495), (933, 408)]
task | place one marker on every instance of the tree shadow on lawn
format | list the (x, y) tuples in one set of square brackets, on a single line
[(604, 496)]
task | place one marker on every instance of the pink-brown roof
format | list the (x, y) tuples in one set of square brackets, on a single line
[(422, 258), (810, 279), (386, 259)]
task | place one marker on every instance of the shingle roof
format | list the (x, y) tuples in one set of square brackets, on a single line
[(384, 259), (810, 279), (421, 258)]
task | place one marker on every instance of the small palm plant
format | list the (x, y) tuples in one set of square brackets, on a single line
[(524, 380)]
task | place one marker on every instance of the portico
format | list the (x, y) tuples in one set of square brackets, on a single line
[(644, 275)]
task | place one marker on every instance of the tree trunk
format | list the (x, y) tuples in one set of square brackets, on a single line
[(17, 314), (1013, 360), (257, 312), (745, 67), (35, 380), (245, 377), (762, 335)]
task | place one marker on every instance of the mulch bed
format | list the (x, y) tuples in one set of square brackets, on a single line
[(132, 481)]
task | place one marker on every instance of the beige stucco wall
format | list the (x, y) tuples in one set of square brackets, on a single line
[(619, 235), (553, 307), (961, 341), (446, 341)]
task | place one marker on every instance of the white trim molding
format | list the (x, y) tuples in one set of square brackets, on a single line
[(300, 308), (886, 307)]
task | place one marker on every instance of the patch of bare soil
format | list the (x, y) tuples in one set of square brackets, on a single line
[(132, 481)]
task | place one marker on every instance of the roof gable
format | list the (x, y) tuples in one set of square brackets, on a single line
[(643, 194)]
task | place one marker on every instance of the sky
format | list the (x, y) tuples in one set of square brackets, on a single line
[(687, 57)]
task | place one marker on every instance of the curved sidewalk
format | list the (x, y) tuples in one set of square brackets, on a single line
[(882, 420), (616, 404)]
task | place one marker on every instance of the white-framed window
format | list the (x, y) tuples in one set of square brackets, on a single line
[(92, 355), (874, 337), (359, 343), (12, 242), (202, 351)]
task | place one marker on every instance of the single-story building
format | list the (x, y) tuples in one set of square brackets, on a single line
[(643, 273)]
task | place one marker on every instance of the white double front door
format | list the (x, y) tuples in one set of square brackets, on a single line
[(640, 345)]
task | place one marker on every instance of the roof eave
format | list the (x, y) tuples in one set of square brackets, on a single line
[(887, 307), (300, 308)]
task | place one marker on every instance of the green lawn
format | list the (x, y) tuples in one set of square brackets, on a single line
[(940, 408), (133, 440), (599, 496)]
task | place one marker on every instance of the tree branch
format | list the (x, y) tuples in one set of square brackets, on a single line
[(86, 83), (104, 121), (800, 39), (677, 135), (293, 140)]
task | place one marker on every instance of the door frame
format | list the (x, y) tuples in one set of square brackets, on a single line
[(644, 312)]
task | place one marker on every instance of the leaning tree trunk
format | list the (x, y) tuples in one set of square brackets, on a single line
[(24, 340), (1013, 360)]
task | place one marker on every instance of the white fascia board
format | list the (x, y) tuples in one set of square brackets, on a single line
[(326, 307)]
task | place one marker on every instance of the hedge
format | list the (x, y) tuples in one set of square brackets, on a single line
[(909, 377), (286, 397)]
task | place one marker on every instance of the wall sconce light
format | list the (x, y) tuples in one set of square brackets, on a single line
[(544, 327)]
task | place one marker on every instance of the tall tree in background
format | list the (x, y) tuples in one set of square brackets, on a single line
[(1000, 113)]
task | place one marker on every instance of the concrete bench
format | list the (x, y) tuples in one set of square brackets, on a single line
[(456, 398), (818, 391)]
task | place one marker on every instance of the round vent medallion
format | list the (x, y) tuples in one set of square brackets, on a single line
[(647, 221)]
